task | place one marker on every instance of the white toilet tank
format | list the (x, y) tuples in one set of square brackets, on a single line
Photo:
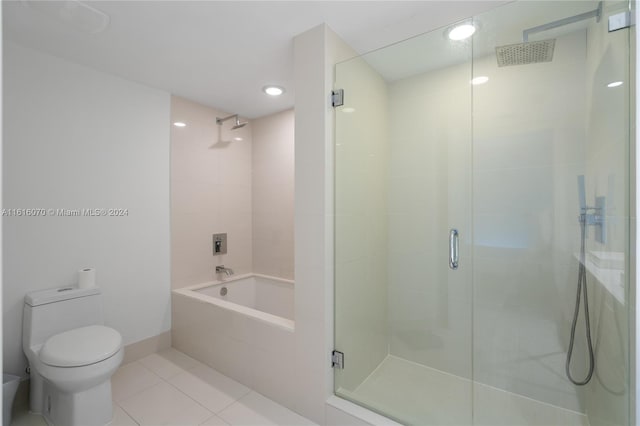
[(52, 311)]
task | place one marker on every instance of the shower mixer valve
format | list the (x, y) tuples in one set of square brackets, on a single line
[(591, 218), (595, 216)]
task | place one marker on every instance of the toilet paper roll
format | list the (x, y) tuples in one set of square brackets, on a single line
[(86, 278)]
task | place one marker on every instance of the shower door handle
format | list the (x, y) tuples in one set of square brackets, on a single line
[(453, 249)]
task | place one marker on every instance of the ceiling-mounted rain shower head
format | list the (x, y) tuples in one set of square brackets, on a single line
[(533, 52), (238, 124)]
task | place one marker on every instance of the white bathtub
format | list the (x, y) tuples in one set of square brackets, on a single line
[(243, 334), (261, 293)]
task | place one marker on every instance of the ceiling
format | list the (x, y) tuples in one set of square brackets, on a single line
[(219, 53), (502, 26)]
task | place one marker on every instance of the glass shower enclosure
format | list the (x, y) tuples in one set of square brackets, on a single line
[(482, 202)]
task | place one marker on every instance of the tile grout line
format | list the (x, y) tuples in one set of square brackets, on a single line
[(215, 414), (162, 379), (236, 401), (140, 391), (127, 413), (188, 396)]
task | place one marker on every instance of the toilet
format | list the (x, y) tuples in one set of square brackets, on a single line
[(71, 355)]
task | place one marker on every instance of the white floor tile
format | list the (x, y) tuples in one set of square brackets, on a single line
[(214, 421), (254, 409), (169, 363), (210, 388), (121, 418), (131, 379), (163, 404), (191, 394)]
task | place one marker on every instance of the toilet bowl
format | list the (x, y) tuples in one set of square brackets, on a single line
[(71, 367)]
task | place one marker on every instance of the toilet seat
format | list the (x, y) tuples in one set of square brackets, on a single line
[(81, 346)]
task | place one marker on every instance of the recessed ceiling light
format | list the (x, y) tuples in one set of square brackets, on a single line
[(348, 110), (179, 124), (273, 90), (480, 80), (614, 84), (461, 32), (237, 138)]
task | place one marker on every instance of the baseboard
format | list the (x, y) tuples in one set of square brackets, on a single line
[(138, 350)]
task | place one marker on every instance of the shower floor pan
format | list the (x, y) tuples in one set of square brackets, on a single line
[(432, 397)]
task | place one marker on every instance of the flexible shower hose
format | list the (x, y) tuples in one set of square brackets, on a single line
[(582, 288)]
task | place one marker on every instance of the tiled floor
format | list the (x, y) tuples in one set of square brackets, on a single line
[(170, 388)]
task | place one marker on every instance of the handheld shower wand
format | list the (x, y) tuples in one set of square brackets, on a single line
[(582, 288)]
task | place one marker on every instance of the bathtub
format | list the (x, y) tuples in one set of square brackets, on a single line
[(241, 326)]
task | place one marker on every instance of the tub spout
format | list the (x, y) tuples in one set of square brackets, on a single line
[(221, 269)]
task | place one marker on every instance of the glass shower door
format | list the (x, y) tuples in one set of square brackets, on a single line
[(402, 231), (519, 148), (551, 143)]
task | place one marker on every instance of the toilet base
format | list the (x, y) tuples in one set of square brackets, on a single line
[(91, 407)]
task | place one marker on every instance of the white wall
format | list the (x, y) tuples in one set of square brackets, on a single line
[(210, 193), (76, 138), (272, 194), (315, 53)]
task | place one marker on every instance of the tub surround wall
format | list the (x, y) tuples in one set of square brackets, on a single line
[(272, 194), (243, 188), (77, 138), (249, 350), (210, 193)]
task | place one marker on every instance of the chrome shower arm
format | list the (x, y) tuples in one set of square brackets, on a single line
[(237, 124), (219, 120), (596, 13)]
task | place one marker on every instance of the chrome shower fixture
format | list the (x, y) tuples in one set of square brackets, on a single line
[(238, 124), (533, 52), (530, 52), (592, 215), (595, 13)]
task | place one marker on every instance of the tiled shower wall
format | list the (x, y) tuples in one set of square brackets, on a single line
[(272, 194), (223, 185), (210, 193)]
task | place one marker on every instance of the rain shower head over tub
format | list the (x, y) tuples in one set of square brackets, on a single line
[(238, 124), (533, 52)]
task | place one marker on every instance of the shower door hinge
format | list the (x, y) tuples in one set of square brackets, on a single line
[(337, 98), (337, 360), (620, 21)]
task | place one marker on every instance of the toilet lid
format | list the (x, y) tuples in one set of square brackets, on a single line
[(81, 346)]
